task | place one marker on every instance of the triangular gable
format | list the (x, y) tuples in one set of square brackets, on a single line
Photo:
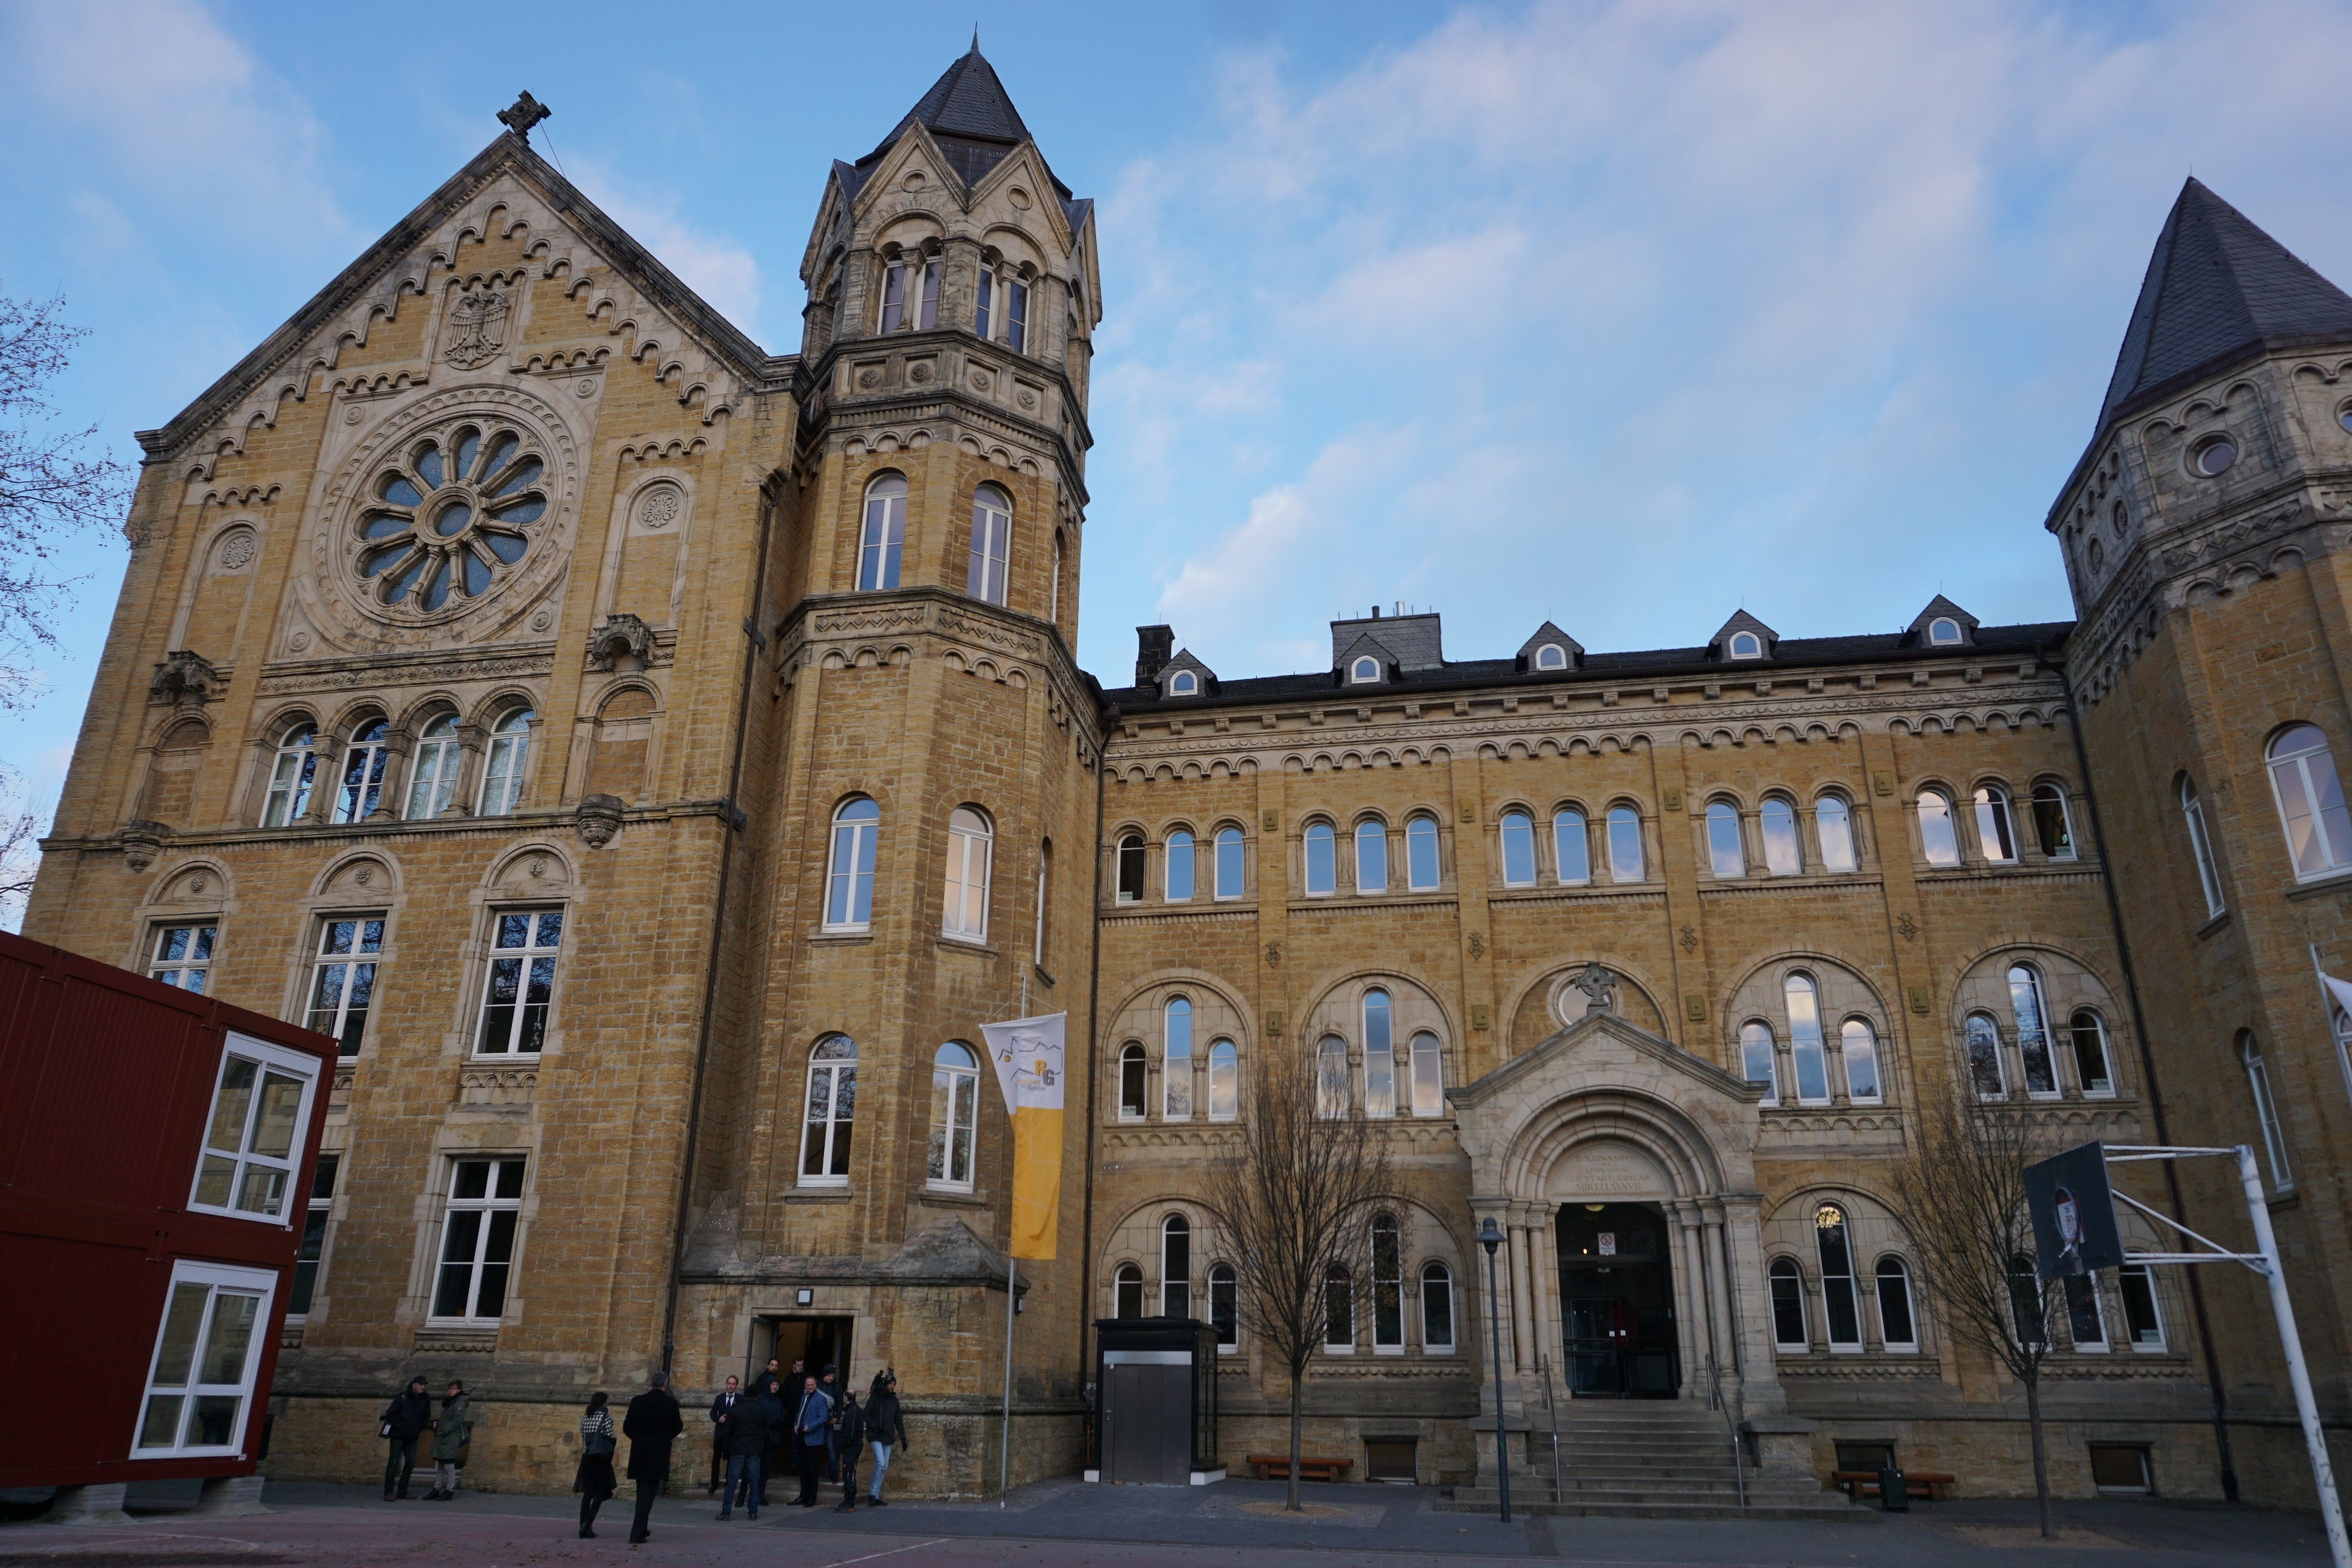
[(1183, 659), (1515, 1076), (1549, 633), (1916, 635), (1365, 643), (1719, 646)]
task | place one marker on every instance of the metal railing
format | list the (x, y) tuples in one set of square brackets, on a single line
[(1731, 1426), (1543, 1370)]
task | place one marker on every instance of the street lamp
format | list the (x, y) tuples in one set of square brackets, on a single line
[(1490, 1238)]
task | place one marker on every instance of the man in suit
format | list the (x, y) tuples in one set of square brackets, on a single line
[(652, 1425), (811, 1435), (721, 1407)]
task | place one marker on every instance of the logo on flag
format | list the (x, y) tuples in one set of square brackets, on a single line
[(1027, 1056)]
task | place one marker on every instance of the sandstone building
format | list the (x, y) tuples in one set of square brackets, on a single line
[(653, 758)]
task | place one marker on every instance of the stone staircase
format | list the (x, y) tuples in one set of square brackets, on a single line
[(1650, 1459)]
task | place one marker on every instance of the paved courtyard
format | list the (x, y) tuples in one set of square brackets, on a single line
[(1064, 1524)]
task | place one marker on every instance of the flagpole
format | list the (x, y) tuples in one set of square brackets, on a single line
[(1004, 1445), (2328, 1007)]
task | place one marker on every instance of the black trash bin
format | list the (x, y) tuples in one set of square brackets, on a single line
[(1893, 1491)]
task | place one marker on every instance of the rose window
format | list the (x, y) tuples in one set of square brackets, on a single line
[(451, 516)]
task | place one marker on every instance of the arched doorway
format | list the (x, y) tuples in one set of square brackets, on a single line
[(1617, 1323)]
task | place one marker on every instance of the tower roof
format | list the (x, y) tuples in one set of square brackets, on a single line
[(2217, 287), (968, 114)]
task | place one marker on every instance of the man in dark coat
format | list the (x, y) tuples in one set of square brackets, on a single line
[(747, 1435), (886, 1428), (652, 1425), (722, 1408), (849, 1438), (783, 1391), (408, 1414), (829, 1384)]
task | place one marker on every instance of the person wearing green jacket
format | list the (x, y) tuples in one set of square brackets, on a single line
[(450, 1430)]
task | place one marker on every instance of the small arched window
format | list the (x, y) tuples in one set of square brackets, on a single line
[(1625, 844), (291, 775), (365, 760), (1725, 857), (1332, 1077), (1788, 1306), (2053, 824), (1833, 831), (1132, 1083), (1421, 867), (955, 1116), (1224, 1306), (832, 1107), (1225, 1081), (1379, 1057), (1338, 1311), (1755, 1063), (849, 884), (509, 764), (2200, 848), (885, 533), (1897, 1329), (1175, 1267), (2088, 1033), (1176, 1060), (1130, 869), (1981, 1037), (2310, 801), (1365, 670), (1176, 866), (1322, 857), (1747, 645), (1388, 1286), (1184, 683), (2258, 1084), (1996, 833), (1519, 849), (1053, 584), (1233, 864), (1806, 1054), (1571, 850), (1045, 904), (433, 777), (1782, 855), (1859, 1043), (1551, 656), (971, 845), (1436, 1309), (1126, 1291), (1428, 1075), (1840, 1305), (1944, 632), (991, 545), (1938, 839), (2033, 1019), (1371, 856)]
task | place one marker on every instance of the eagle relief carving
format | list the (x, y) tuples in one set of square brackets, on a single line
[(478, 322)]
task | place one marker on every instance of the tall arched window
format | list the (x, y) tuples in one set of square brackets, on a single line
[(2258, 1084), (1372, 856), (1388, 1286), (1982, 1038), (1755, 1059), (1806, 1054), (1624, 845), (1232, 863), (1224, 1306), (1132, 1078), (1788, 1306), (1339, 1312), (1996, 832), (1833, 831), (1783, 857), (970, 844), (1175, 1267), (1054, 586), (2310, 801), (1724, 857), (509, 764), (832, 1106), (1572, 851), (1379, 1057), (1860, 1042), (1130, 869), (1176, 1060), (2088, 1032), (1938, 840), (1176, 866), (2033, 1031), (1896, 1328), (885, 533), (1045, 905), (2200, 847), (1332, 1077), (1428, 1075), (2029, 1310), (1421, 870), (1225, 1081), (1840, 1305), (1436, 1309), (364, 764), (2053, 824), (849, 884), (1322, 861), (1519, 849), (991, 545), (955, 1115), (433, 777), (291, 775), (1126, 1291)]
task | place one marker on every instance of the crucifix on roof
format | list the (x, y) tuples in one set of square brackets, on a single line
[(525, 112)]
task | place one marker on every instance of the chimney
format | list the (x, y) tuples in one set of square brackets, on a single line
[(1153, 644)]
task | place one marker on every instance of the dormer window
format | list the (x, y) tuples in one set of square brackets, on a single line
[(1184, 683), (1746, 645), (1365, 670), (1551, 656), (1944, 632)]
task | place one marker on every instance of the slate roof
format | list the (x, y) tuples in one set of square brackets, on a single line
[(1414, 641), (972, 117)]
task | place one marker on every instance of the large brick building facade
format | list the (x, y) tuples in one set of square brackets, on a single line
[(653, 758)]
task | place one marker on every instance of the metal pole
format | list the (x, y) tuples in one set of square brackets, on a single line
[(2321, 1474), (1495, 1333), (1004, 1448)]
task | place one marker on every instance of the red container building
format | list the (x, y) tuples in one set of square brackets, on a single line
[(156, 1150)]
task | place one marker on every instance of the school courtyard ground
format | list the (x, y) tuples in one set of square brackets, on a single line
[(1067, 1524)]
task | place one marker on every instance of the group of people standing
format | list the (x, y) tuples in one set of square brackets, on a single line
[(824, 1436), (408, 1418)]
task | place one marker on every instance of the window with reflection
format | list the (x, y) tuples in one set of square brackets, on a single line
[(2310, 801), (1388, 1285), (508, 766), (1782, 855), (2089, 1032), (1806, 1054), (2033, 1019), (1365, 670), (1371, 857), (292, 772), (1175, 1267), (1224, 1306), (1859, 1043), (1996, 833), (1176, 1060), (1571, 852), (1833, 831), (831, 1111), (1897, 1329), (1724, 857), (1788, 1306), (1944, 632), (1322, 861), (1232, 866), (1380, 1057), (2192, 816), (991, 545), (1184, 683), (1551, 656), (433, 777), (365, 760), (849, 882), (1132, 1077), (2136, 1283), (2029, 1311), (2053, 826), (1428, 1075), (1225, 1081), (1938, 838), (2086, 1324), (1176, 866), (1332, 1077), (1338, 1311), (1982, 1038), (1436, 1309), (2258, 1084), (1421, 854), (955, 1115), (1126, 1291), (1756, 1059), (1841, 1307), (1130, 869), (970, 844), (1625, 844), (885, 533), (1747, 645), (1519, 835)]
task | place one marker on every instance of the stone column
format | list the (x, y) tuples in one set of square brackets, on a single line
[(1743, 1243), (1521, 1338), (1726, 1337), (1549, 1338), (473, 743), (1690, 1318)]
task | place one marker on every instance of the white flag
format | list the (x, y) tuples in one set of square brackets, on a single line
[(1028, 1056)]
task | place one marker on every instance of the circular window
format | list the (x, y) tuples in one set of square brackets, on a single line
[(2213, 458), (450, 516)]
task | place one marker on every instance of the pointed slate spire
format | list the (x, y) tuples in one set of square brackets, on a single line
[(2217, 287), (967, 101)]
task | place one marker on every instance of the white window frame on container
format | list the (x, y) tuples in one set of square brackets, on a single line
[(1230, 866), (1225, 1081), (825, 1124), (991, 545), (519, 983), (972, 843), (293, 772), (508, 764), (1516, 835), (849, 873), (2200, 848), (343, 979), (432, 774), (1176, 1059), (487, 1250), (253, 1140), (190, 1345), (366, 759), (882, 536), (1435, 1276), (181, 954), (2309, 794), (955, 1118), (310, 1252)]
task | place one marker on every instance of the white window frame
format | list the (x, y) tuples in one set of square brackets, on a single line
[(1326, 834), (892, 315), (266, 1058), (1852, 1284), (509, 764), (1225, 1080), (1044, 875), (433, 773), (1583, 839), (1746, 645), (1396, 1233), (864, 836), (988, 575), (1877, 1094), (1551, 656), (1176, 1059), (2258, 1083), (367, 760), (1127, 844), (1852, 855), (1184, 683), (1527, 825), (489, 1205), (1945, 632), (1226, 1277), (1795, 1271), (1771, 1048), (2200, 848), (331, 1015), (1807, 1040), (972, 847), (1421, 1277), (2055, 792), (1942, 807), (1380, 1093), (1629, 817), (320, 1208), (1910, 1304), (2157, 1345), (293, 775), (1999, 1058), (527, 959), (1178, 846), (2334, 856), (203, 952), (1434, 1079), (1238, 842), (926, 298), (1126, 1277), (2104, 1343), (955, 1110), (1364, 671), (1173, 1225), (882, 535), (216, 1279), (1334, 1093), (1347, 1277), (1795, 841), (1133, 1052), (2041, 994), (1357, 836), (1995, 816), (2106, 1053), (1726, 858), (828, 1136)]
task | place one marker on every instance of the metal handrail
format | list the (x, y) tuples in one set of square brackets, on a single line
[(1543, 1365), (1731, 1428)]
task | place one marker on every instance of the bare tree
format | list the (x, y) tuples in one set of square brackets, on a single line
[(1294, 1195), (48, 487), (20, 847), (1960, 1191)]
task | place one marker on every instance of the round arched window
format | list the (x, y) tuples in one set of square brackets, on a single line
[(451, 515)]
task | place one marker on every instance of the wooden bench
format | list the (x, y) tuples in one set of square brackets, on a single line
[(1860, 1484), (1276, 1467)]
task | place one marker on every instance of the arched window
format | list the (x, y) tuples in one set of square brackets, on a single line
[(433, 777), (1322, 861), (1176, 866), (1184, 683), (1724, 857), (1131, 1080), (2032, 1020), (1224, 1306), (1995, 834), (1755, 1059), (1001, 285), (1175, 1267), (291, 775), (1428, 1075), (1225, 1081), (2192, 814), (1339, 1312), (2310, 801), (1551, 656), (364, 764), (1833, 831), (1372, 856), (1782, 855), (1388, 1286), (955, 1115), (849, 884), (970, 844), (885, 533), (2089, 1034), (1364, 670), (1054, 586), (1985, 1070), (922, 311), (1938, 839), (1232, 863), (1126, 1291), (2086, 1321), (1788, 1306), (1130, 869), (1944, 632), (1625, 844), (503, 774), (1860, 1042), (1176, 1060), (832, 1106), (2053, 824), (991, 545), (1379, 1057), (1747, 645), (1436, 1309), (1897, 1330), (1840, 1306), (1572, 851), (1045, 905), (1519, 849), (1332, 1077), (2258, 1083), (1421, 854), (2135, 1282), (2028, 1310), (1806, 1054)]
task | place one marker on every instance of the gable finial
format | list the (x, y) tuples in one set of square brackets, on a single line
[(525, 112), (975, 37)]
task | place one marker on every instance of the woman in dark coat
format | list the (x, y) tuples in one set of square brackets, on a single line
[(595, 1483)]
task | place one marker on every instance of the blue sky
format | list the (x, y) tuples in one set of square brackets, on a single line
[(1623, 314)]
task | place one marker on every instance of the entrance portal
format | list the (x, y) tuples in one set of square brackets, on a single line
[(819, 1342), (1616, 1292)]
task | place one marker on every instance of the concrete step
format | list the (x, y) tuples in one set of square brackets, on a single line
[(1529, 1500)]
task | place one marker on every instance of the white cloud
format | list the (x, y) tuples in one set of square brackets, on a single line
[(722, 270)]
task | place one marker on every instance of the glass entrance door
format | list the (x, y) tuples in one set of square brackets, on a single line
[(1616, 1291)]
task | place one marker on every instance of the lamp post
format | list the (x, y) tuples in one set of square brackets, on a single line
[(1490, 1238)]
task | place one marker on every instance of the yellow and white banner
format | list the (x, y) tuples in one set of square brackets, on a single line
[(1028, 1056)]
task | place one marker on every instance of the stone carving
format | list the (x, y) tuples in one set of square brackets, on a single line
[(478, 324), (344, 676), (1689, 938), (541, 619), (185, 678), (585, 388), (660, 505), (598, 818), (621, 635), (142, 842), (237, 551), (522, 114), (1599, 989)]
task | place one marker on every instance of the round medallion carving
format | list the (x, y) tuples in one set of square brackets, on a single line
[(869, 376), (979, 380), (1028, 400), (918, 374), (198, 884), (237, 550), (585, 387), (363, 876), (299, 641), (353, 416), (537, 865), (660, 505), (541, 620)]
